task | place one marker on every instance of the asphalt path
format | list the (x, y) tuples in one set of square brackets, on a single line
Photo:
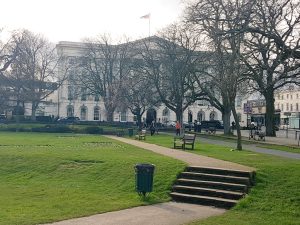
[(251, 147)]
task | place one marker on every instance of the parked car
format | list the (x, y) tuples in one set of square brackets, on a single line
[(69, 120), (2, 118), (218, 124), (169, 124), (188, 125)]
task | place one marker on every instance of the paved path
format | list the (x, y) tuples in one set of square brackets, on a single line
[(170, 213), (190, 158)]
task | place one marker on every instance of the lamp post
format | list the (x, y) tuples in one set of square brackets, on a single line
[(287, 114)]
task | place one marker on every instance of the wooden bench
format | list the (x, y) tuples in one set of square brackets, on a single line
[(120, 133), (186, 140), (211, 130), (141, 135), (261, 133)]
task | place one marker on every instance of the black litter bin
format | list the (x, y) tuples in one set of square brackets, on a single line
[(130, 132), (144, 178)]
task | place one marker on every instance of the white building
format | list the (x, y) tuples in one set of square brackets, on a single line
[(91, 108), (287, 102), (287, 108)]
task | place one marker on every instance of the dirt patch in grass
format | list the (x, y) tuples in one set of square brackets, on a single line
[(103, 144)]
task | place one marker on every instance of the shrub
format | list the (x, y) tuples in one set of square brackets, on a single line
[(93, 130), (53, 129)]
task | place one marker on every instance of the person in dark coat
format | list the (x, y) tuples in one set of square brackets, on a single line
[(152, 128)]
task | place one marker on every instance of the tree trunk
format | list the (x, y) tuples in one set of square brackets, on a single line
[(33, 111), (139, 120), (180, 119), (110, 115), (226, 121), (270, 110), (18, 117), (238, 130)]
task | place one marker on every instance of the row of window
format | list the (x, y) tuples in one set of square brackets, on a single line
[(96, 114), (288, 96), (289, 107), (83, 112), (73, 95)]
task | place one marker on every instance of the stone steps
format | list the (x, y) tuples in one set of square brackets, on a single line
[(204, 200), (212, 186), (208, 192)]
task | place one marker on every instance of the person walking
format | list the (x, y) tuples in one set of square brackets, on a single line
[(177, 126), (232, 126), (199, 126), (152, 128)]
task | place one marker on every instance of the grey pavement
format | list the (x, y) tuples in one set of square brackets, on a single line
[(281, 139), (252, 147), (170, 213)]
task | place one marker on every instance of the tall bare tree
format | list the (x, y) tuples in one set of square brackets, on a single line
[(272, 50), (35, 69), (9, 51), (137, 94), (170, 62), (213, 18), (103, 68)]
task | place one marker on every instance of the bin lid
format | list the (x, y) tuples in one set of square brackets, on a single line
[(144, 166)]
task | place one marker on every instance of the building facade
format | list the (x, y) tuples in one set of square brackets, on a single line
[(74, 101)]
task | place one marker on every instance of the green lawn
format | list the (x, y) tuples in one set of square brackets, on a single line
[(51, 177), (274, 200)]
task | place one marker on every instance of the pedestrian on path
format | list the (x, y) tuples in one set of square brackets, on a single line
[(152, 128), (177, 126)]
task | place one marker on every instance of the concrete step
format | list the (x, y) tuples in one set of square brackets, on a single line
[(203, 200), (216, 177), (212, 184), (221, 171), (208, 192)]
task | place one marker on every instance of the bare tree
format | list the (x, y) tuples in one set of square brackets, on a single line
[(103, 68), (34, 70), (272, 50), (9, 51), (170, 62), (278, 21), (137, 94), (213, 18)]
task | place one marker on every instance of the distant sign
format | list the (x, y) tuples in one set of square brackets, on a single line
[(247, 108)]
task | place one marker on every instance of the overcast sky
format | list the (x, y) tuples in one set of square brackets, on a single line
[(73, 20)]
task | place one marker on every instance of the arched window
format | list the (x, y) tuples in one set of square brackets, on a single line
[(70, 92), (166, 112), (70, 111), (213, 116), (200, 116), (165, 115), (83, 113), (97, 113), (190, 117), (123, 116)]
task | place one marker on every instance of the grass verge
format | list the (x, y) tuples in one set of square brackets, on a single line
[(52, 177), (274, 200)]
